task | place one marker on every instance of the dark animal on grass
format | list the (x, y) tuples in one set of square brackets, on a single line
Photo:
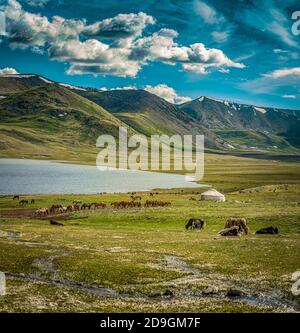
[(32, 201), (54, 222), (135, 198), (76, 207), (100, 205), (55, 209), (195, 224), (70, 208), (16, 197), (23, 202), (241, 223), (232, 231), (156, 203), (126, 204), (76, 202), (86, 206), (268, 231)]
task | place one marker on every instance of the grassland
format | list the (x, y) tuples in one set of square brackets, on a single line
[(145, 260)]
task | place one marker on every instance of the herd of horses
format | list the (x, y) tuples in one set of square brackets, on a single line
[(23, 201), (78, 206), (232, 227)]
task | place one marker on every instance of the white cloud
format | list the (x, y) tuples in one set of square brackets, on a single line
[(167, 93), (210, 16), (245, 57), (220, 36), (290, 96), (280, 51), (206, 12), (8, 71), (37, 3), (272, 19), (120, 26), (113, 46), (270, 82), (224, 70), (194, 58), (118, 88), (278, 28), (281, 73), (25, 29)]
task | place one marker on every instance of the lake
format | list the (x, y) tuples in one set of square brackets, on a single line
[(23, 176)]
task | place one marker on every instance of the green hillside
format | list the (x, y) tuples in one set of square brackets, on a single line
[(150, 114), (52, 121), (254, 139), (43, 119), (273, 127)]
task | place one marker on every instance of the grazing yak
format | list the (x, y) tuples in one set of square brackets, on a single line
[(16, 197), (195, 224), (241, 223), (267, 231), (232, 231), (235, 227)]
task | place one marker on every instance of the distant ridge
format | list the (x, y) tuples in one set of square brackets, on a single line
[(37, 111)]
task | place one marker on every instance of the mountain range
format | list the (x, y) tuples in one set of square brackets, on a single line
[(44, 116)]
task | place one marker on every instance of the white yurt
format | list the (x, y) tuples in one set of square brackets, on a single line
[(212, 195)]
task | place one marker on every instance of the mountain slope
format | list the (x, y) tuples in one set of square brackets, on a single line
[(221, 116), (150, 114), (43, 118), (49, 118), (13, 83)]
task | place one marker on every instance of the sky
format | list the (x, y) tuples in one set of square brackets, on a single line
[(243, 51)]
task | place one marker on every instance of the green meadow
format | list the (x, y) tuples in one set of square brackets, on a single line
[(144, 260)]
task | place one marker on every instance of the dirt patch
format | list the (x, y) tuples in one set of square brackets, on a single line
[(19, 213), (29, 214)]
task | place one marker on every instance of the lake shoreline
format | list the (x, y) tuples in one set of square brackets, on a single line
[(38, 174)]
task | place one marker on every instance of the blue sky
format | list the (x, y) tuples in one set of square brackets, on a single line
[(238, 50)]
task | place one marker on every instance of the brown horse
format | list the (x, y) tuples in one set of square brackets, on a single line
[(156, 203), (55, 208)]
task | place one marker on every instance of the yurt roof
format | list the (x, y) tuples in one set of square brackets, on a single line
[(213, 193)]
